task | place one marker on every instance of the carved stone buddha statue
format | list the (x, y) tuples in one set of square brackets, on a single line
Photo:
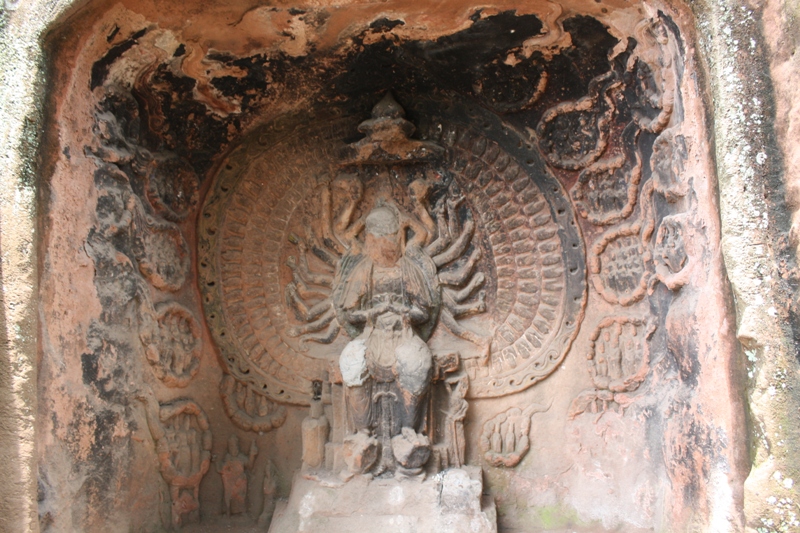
[(387, 368)]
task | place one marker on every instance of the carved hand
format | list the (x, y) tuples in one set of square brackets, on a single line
[(379, 310)]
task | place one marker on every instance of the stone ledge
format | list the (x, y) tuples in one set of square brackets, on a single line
[(449, 502)]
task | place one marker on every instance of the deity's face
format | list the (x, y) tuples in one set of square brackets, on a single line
[(383, 243)]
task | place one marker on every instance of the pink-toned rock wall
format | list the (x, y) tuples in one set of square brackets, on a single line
[(769, 288), (147, 105)]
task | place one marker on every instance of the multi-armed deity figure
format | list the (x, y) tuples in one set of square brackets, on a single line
[(387, 368), (387, 291)]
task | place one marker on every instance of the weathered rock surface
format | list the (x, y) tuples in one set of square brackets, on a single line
[(119, 121), (450, 502)]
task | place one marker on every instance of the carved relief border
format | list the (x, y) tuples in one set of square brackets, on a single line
[(282, 373), (510, 373)]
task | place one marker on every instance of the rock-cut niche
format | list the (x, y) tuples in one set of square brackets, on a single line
[(357, 266)]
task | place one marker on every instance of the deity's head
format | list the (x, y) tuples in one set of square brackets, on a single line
[(383, 243), (382, 221)]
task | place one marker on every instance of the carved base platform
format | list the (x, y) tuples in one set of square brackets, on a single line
[(449, 502)]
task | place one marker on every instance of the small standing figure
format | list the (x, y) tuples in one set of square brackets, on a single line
[(270, 488), (315, 431), (234, 476), (457, 388)]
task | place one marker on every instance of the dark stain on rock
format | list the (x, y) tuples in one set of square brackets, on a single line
[(473, 64), (101, 67), (253, 86), (384, 24), (185, 125), (470, 64), (697, 441), (479, 44), (675, 32), (104, 424), (90, 368)]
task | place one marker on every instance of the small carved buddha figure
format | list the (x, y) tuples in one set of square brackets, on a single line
[(233, 471), (386, 369), (184, 449)]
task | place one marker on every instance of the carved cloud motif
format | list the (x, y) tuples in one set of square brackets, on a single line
[(620, 361), (505, 439), (573, 135), (172, 344)]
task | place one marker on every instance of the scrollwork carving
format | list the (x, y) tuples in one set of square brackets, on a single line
[(505, 439), (620, 264), (507, 88), (172, 188), (162, 255), (652, 68), (573, 135), (670, 152), (672, 262), (249, 409), (155, 244), (619, 363), (607, 191), (172, 344), (183, 443)]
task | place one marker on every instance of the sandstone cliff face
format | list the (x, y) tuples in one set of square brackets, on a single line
[(168, 129)]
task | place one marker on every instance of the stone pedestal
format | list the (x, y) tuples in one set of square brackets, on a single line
[(449, 502), (315, 435)]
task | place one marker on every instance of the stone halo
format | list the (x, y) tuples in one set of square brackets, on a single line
[(532, 249)]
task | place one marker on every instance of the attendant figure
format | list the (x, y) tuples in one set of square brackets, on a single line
[(234, 476)]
